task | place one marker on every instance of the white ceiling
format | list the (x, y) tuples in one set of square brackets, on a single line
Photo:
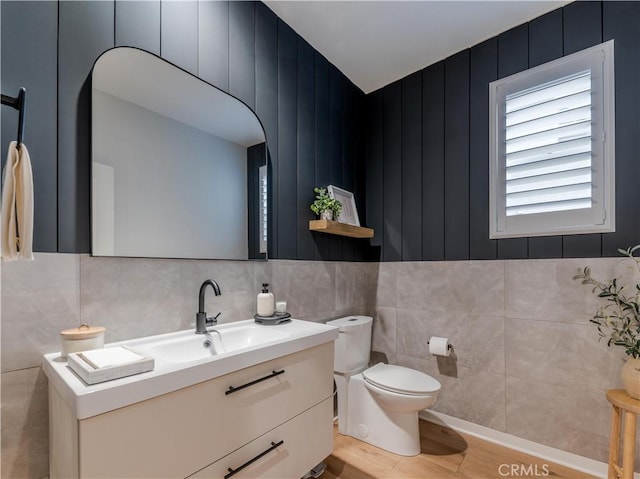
[(375, 43)]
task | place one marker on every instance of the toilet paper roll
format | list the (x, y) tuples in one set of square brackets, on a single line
[(439, 346)]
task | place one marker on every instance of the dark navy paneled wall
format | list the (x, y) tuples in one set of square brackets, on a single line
[(417, 147), (310, 111), (427, 151), (33, 65)]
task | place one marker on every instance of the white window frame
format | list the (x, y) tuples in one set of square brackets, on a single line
[(600, 218)]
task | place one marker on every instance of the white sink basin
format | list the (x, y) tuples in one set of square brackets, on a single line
[(181, 361), (188, 346), (236, 337), (178, 350)]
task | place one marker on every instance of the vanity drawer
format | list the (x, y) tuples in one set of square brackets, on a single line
[(181, 432), (285, 452)]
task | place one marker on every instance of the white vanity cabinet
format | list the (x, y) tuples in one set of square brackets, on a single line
[(204, 429), (284, 452)]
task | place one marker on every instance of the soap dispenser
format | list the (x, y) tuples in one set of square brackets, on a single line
[(266, 303)]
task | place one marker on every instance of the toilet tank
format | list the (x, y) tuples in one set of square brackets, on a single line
[(353, 344)]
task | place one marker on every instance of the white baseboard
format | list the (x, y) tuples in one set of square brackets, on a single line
[(574, 461)]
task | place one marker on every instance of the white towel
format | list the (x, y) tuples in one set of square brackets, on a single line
[(114, 356), (17, 205)]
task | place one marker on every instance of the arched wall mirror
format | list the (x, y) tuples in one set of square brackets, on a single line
[(178, 166)]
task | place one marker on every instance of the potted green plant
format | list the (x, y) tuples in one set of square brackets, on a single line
[(324, 206), (618, 319)]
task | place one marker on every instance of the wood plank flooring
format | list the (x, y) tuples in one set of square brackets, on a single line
[(446, 454)]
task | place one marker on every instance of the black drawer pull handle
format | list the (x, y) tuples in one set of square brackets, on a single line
[(272, 375), (251, 461)]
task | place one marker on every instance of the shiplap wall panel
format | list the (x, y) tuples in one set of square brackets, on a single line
[(336, 142), (433, 162), (321, 148), (306, 174), (374, 164), (348, 136), (621, 21), (85, 31), (179, 38), (335, 126), (232, 45), (138, 25), (242, 47), (213, 43), (362, 251), (456, 156), (545, 45), (545, 38), (287, 141), (31, 63), (455, 222), (392, 172), (483, 64), (266, 91), (411, 167), (582, 24), (513, 57)]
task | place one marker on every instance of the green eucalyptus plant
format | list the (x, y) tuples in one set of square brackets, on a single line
[(324, 202), (619, 318)]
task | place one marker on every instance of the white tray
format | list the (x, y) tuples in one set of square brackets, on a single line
[(92, 375)]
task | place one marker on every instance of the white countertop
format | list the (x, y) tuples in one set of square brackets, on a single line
[(90, 400)]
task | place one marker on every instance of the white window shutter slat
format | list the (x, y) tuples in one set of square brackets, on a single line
[(551, 172)]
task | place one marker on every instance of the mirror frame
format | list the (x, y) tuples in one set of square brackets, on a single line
[(253, 231)]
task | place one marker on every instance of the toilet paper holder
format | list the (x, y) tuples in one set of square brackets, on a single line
[(449, 346)]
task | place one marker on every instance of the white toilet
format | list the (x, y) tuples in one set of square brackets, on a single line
[(380, 404)]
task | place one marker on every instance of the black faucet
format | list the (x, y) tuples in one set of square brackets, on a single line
[(201, 317)]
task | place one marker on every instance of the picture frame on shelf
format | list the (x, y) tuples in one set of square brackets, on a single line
[(349, 214)]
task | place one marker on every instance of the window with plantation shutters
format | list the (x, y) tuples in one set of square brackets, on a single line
[(552, 154)]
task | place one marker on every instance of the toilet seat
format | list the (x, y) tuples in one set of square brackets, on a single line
[(401, 380)]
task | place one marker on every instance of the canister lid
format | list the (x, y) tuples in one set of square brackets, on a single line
[(84, 331)]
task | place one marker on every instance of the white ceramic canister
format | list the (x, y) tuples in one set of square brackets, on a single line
[(82, 338)]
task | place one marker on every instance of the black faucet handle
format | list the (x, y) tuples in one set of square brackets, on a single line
[(213, 319)]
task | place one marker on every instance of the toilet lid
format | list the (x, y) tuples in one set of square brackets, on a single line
[(350, 323), (400, 379)]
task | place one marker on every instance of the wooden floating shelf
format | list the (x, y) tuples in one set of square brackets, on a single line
[(341, 229)]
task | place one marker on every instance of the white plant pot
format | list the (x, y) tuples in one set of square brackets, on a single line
[(631, 377), (327, 215)]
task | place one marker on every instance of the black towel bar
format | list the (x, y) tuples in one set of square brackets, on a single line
[(19, 104)]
